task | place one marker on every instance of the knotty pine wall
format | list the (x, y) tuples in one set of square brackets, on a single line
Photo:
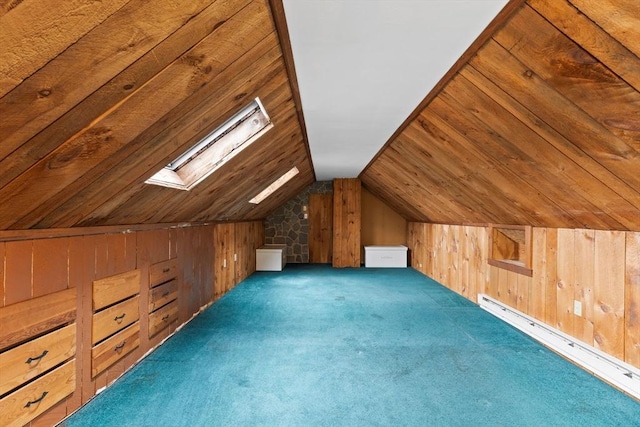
[(381, 225), (601, 269), (40, 265), (347, 219)]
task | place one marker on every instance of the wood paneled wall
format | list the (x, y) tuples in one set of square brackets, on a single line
[(40, 266), (381, 225), (347, 196), (320, 228), (235, 248), (598, 269)]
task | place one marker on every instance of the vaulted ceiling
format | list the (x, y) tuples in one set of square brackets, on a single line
[(98, 96), (537, 123)]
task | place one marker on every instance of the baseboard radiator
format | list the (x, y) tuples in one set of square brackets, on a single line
[(613, 371)]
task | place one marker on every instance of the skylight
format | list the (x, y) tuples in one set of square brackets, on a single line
[(215, 149), (275, 185)]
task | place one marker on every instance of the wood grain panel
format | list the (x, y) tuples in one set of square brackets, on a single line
[(44, 353), (113, 349), (113, 289), (162, 294), (550, 106), (346, 222), (565, 281), (616, 198), (114, 318), (597, 268), (116, 129), (632, 300), (620, 18), (37, 315), (575, 74), (381, 225), (103, 53), (18, 264), (161, 143), (50, 270), (591, 37), (546, 102), (163, 318), (50, 388), (23, 30), (163, 271), (2, 280), (320, 228), (584, 284), (224, 240), (608, 313)]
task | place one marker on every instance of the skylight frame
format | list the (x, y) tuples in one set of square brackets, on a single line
[(275, 185), (215, 149)]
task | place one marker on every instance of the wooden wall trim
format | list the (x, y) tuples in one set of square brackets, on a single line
[(280, 21), (50, 233)]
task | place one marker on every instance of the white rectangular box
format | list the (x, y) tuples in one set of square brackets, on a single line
[(271, 257), (385, 256)]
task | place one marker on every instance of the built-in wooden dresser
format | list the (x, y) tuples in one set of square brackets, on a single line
[(37, 355), (115, 327), (163, 296)]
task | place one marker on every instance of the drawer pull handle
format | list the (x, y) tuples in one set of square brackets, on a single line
[(119, 346), (119, 318), (33, 359), (164, 319), (166, 294), (38, 400), (166, 270)]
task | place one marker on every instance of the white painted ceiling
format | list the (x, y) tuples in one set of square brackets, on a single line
[(364, 65)]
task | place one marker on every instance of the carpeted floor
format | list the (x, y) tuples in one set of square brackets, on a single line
[(316, 346)]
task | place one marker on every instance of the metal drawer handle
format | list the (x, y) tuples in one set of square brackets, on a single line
[(33, 359), (165, 318), (166, 270), (119, 346), (119, 318), (33, 402)]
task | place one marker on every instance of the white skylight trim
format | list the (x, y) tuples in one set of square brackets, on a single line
[(215, 149), (275, 185)]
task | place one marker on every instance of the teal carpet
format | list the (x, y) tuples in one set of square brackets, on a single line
[(316, 346)]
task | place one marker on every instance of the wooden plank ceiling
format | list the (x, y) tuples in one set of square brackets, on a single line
[(95, 97), (539, 123)]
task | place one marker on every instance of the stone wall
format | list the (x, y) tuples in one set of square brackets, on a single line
[(287, 224)]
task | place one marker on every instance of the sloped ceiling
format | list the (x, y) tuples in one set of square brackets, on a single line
[(95, 97), (364, 65), (538, 124)]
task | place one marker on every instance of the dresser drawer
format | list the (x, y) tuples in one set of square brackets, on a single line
[(113, 319), (26, 319), (112, 289), (163, 294), (163, 317), (113, 349), (27, 361), (26, 403), (163, 272)]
